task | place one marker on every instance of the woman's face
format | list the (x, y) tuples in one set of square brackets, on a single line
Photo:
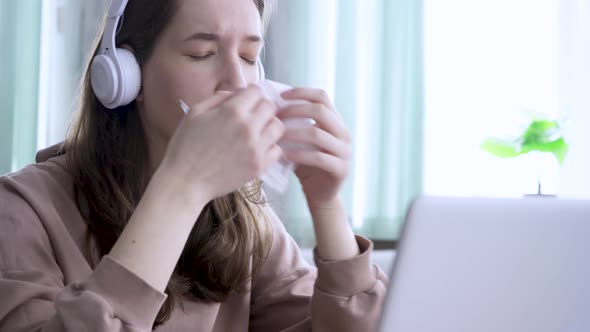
[(209, 45)]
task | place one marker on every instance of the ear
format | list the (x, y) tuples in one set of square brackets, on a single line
[(140, 97)]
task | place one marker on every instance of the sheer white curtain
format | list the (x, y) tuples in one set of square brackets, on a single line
[(69, 28), (45, 44), (19, 68), (574, 94), (368, 56)]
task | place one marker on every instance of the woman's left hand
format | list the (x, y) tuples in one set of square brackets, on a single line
[(323, 170)]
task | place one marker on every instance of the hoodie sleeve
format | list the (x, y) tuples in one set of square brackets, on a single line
[(290, 295), (34, 296)]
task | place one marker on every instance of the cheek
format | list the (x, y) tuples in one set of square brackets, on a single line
[(162, 87), (158, 114)]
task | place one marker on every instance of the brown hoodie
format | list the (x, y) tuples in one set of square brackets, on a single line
[(48, 282)]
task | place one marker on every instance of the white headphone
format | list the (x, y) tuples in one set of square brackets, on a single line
[(115, 75), (261, 73)]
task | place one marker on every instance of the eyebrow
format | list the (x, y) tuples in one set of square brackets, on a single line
[(213, 37)]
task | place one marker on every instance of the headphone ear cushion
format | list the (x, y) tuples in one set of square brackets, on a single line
[(104, 79), (261, 74), (130, 81)]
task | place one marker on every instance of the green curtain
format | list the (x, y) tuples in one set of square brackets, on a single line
[(20, 24), (369, 54)]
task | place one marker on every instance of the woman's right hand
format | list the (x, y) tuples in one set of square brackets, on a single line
[(224, 142)]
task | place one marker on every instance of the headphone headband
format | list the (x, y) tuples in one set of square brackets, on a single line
[(261, 73), (117, 8)]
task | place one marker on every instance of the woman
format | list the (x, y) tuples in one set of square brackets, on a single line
[(149, 218)]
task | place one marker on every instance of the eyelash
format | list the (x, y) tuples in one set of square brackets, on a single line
[(250, 62), (199, 57), (204, 57)]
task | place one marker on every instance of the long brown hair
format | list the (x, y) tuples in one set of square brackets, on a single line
[(107, 155)]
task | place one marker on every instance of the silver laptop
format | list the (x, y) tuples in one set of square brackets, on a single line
[(497, 265)]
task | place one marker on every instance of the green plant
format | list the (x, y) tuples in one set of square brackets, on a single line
[(541, 135)]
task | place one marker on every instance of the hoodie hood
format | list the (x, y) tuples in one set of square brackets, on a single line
[(50, 152)]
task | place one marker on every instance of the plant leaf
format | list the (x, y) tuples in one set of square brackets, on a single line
[(540, 131), (501, 148), (558, 148)]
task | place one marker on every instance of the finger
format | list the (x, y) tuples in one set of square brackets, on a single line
[(273, 155), (316, 96), (244, 100), (318, 138), (324, 118), (273, 132), (262, 115), (321, 160), (211, 102)]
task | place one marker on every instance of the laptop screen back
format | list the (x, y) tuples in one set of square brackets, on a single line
[(470, 264)]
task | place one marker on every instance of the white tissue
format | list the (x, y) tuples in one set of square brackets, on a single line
[(277, 176)]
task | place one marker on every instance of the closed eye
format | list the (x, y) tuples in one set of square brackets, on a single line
[(248, 61), (206, 56), (200, 57)]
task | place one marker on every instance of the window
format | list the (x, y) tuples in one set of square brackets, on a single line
[(490, 67)]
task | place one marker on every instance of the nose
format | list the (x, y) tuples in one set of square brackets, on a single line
[(231, 76)]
